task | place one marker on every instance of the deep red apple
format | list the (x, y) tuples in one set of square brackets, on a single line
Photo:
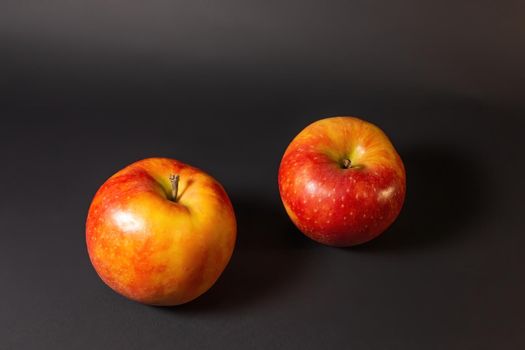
[(341, 181), (160, 232)]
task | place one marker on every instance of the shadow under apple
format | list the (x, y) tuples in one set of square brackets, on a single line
[(445, 191)]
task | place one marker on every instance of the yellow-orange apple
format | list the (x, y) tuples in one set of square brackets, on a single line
[(160, 232), (341, 181)]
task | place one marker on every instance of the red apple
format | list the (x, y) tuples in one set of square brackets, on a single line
[(341, 181), (160, 232)]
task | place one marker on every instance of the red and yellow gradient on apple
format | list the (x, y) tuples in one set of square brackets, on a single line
[(158, 238), (341, 181)]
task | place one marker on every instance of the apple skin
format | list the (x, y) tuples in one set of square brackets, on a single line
[(152, 249), (340, 206)]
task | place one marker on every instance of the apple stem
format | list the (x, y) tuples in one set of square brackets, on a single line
[(174, 179), (347, 163)]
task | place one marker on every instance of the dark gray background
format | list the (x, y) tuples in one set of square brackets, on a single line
[(88, 87)]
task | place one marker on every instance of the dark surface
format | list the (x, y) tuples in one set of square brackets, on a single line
[(89, 87)]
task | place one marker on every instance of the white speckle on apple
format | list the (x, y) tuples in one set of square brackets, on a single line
[(342, 205)]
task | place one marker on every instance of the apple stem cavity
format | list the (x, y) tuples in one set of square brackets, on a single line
[(347, 163), (174, 179)]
